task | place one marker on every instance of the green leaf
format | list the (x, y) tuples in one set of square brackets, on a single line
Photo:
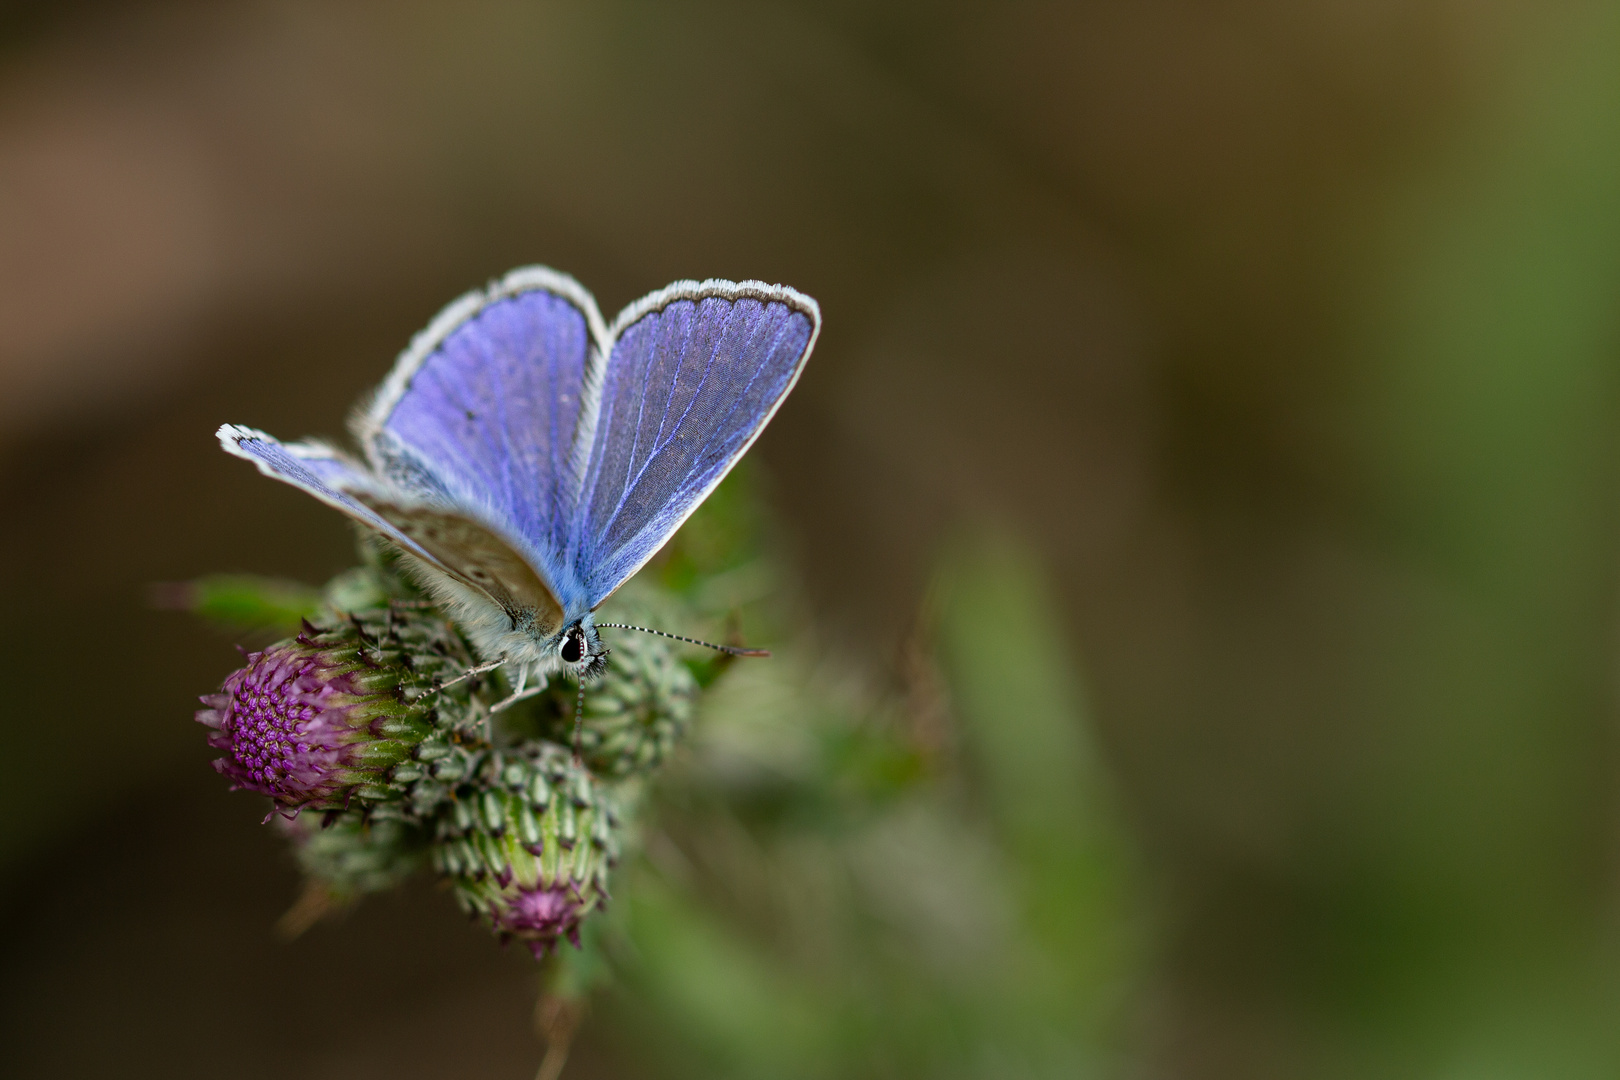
[(242, 601)]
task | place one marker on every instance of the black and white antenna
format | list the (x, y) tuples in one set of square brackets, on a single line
[(732, 650)]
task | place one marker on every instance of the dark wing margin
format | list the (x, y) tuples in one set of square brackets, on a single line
[(483, 410), (694, 374)]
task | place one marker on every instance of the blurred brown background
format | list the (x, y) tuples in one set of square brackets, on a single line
[(1287, 332)]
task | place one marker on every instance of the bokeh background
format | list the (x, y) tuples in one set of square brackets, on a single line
[(1282, 339)]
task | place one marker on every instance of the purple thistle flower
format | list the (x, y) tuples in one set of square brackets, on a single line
[(311, 723), (540, 916)]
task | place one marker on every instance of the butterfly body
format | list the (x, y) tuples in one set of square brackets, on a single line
[(527, 637), (527, 459)]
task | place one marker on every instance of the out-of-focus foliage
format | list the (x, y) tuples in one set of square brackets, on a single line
[(242, 601)]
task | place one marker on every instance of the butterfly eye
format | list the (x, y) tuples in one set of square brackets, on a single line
[(573, 647)]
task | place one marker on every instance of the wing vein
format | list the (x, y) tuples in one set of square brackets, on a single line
[(708, 367)]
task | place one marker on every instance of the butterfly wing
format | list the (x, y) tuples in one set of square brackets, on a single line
[(515, 453), (317, 470), (475, 556), (481, 414), (469, 553), (694, 374)]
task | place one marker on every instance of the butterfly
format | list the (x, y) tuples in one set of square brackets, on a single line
[(527, 458)]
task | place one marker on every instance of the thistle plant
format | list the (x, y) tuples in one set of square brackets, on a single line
[(373, 731), (818, 855)]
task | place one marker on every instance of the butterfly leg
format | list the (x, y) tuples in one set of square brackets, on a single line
[(519, 693), (473, 671)]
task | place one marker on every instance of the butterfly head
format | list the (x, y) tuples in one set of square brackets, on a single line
[(580, 649)]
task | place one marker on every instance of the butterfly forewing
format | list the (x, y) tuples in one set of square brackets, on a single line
[(486, 405), (318, 470), (694, 375)]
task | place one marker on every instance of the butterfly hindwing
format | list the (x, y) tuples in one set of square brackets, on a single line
[(482, 411), (694, 374), (476, 557)]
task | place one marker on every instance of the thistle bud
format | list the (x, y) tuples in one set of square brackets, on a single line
[(318, 720), (528, 844), (350, 853), (634, 714)]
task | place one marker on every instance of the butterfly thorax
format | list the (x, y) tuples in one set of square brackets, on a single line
[(539, 640), (524, 643)]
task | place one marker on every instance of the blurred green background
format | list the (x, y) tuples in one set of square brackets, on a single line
[(1206, 480)]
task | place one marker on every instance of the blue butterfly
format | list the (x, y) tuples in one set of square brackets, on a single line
[(528, 459)]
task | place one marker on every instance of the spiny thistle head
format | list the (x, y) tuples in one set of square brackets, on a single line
[(528, 845), (317, 720), (350, 853), (635, 714)]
